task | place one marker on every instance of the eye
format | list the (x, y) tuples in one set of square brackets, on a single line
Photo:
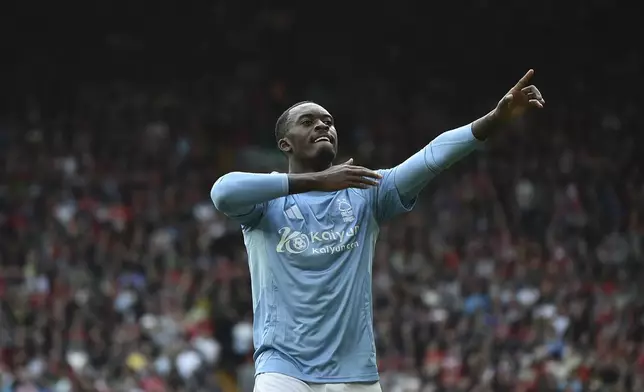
[(328, 122), (307, 122)]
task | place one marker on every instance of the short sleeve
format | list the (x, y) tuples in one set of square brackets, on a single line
[(386, 198)]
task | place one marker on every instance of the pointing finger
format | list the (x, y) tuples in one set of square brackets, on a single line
[(349, 162), (523, 82)]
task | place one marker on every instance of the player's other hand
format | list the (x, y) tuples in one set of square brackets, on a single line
[(520, 97), (345, 176)]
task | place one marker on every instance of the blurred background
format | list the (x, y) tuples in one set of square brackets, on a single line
[(520, 270)]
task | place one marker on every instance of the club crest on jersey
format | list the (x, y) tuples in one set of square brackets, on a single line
[(346, 211)]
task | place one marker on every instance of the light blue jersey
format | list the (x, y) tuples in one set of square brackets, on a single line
[(310, 257)]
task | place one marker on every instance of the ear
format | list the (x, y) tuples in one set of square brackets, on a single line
[(284, 145)]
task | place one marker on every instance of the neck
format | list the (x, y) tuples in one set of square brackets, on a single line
[(297, 167)]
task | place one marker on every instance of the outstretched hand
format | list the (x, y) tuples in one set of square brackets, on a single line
[(520, 97)]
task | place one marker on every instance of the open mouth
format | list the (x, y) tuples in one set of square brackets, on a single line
[(323, 139)]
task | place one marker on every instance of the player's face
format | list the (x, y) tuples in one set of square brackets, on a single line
[(311, 135)]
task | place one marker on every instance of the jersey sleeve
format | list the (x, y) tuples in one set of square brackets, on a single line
[(247, 215), (386, 200), (400, 186), (244, 197)]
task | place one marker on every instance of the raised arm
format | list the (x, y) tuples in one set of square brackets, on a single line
[(449, 147), (416, 172)]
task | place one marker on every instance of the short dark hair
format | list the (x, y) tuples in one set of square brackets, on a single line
[(281, 126)]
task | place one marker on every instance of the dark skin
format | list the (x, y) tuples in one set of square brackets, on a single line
[(311, 142), (521, 97)]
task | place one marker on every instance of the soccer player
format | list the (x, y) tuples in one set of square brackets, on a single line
[(310, 236)]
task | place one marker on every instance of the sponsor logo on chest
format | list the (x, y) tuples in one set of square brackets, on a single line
[(319, 242)]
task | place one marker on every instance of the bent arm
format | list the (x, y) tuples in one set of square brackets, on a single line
[(237, 193), (448, 148)]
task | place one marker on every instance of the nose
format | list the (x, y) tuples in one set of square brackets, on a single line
[(321, 126)]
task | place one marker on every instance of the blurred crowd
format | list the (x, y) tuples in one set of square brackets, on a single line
[(520, 270)]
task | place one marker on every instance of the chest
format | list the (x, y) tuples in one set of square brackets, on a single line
[(316, 231)]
